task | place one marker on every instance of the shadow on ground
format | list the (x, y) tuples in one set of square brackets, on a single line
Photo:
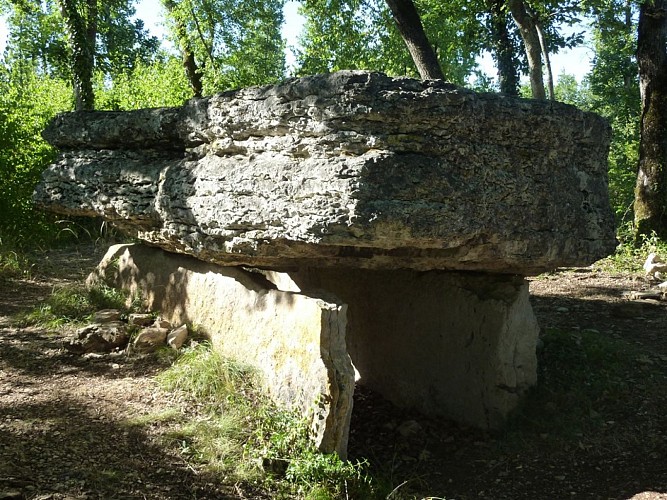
[(595, 427), (59, 447), (56, 443)]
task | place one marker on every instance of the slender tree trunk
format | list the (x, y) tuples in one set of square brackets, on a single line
[(628, 80), (547, 61), (192, 71), (410, 27), (508, 74), (82, 32), (651, 189), (531, 41)]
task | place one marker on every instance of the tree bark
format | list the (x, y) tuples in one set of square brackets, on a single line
[(192, 71), (82, 32), (547, 61), (410, 27), (508, 74), (531, 41), (651, 189)]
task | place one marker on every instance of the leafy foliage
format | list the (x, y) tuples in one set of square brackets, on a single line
[(236, 43), (630, 255), (614, 90), (149, 85), (361, 34), (27, 102), (38, 34)]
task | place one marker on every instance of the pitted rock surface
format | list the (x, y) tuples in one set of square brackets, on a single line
[(349, 169)]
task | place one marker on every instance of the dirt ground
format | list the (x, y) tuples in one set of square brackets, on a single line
[(68, 424)]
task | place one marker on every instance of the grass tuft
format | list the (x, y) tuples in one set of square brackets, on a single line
[(242, 435), (204, 375), (73, 304), (13, 264)]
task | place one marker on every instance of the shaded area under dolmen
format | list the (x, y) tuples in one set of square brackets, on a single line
[(348, 221)]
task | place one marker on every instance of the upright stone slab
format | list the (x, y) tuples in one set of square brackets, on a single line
[(296, 341), (459, 345)]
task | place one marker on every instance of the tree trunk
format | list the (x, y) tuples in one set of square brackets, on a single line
[(547, 61), (628, 80), (651, 189), (531, 41), (508, 74), (192, 71), (410, 27), (82, 32)]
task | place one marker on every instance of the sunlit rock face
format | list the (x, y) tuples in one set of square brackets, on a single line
[(349, 169)]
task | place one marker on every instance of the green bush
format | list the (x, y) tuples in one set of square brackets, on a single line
[(159, 84), (27, 103), (629, 256)]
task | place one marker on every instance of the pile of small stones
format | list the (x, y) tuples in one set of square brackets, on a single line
[(138, 333)]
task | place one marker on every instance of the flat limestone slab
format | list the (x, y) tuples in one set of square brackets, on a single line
[(296, 341), (350, 169), (458, 345)]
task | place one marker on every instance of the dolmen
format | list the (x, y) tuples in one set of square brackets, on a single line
[(348, 228)]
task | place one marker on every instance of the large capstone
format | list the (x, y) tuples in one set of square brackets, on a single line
[(348, 219), (349, 169)]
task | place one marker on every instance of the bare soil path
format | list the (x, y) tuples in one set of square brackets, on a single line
[(68, 423), (71, 426)]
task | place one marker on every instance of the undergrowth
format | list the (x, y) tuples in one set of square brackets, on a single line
[(13, 264), (629, 257), (240, 434), (74, 304)]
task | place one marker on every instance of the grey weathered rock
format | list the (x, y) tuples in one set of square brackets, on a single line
[(410, 428), (140, 319), (371, 188), (177, 337), (296, 341), (150, 339), (351, 169), (106, 316), (162, 323), (11, 495), (453, 344), (654, 266), (99, 337)]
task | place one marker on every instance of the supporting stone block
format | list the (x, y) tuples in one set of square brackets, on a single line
[(459, 345), (297, 341), (452, 344)]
